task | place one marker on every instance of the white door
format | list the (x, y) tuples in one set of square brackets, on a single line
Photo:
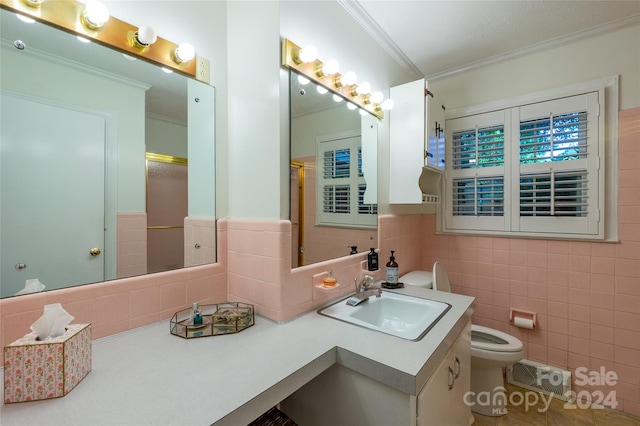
[(52, 195)]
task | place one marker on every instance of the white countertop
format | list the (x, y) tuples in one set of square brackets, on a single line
[(147, 376)]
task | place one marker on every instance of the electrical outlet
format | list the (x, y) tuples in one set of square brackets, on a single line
[(203, 70)]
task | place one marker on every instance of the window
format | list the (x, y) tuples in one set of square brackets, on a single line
[(532, 169), (341, 185)]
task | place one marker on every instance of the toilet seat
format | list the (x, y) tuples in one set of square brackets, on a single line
[(493, 340)]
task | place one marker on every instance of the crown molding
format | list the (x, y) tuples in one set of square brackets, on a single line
[(590, 32), (364, 19)]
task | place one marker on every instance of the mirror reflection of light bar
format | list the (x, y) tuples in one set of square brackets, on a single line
[(25, 19)]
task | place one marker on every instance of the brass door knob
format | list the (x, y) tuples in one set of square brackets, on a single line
[(95, 251)]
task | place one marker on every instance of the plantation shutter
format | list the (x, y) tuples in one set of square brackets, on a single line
[(557, 166), (341, 185), (475, 183), (533, 170), (336, 174)]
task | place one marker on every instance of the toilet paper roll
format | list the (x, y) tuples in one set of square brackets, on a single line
[(523, 323)]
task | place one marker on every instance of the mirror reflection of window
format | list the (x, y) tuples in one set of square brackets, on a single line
[(347, 194), (341, 183)]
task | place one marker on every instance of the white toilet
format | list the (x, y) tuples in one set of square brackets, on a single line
[(491, 350)]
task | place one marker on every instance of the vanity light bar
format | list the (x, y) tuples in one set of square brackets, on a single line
[(66, 15), (290, 59)]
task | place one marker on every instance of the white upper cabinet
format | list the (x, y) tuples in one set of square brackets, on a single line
[(416, 145)]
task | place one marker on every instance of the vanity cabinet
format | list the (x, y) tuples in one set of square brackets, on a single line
[(342, 396), (416, 144), (441, 401)]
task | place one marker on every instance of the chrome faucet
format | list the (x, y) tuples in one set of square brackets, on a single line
[(363, 291)]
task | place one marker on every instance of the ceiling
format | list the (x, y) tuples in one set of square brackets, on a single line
[(438, 38)]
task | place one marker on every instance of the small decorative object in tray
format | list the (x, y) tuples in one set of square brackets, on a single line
[(212, 320)]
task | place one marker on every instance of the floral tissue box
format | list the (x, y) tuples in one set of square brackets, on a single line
[(35, 369)]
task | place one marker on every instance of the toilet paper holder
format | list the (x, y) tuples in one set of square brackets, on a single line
[(523, 319)]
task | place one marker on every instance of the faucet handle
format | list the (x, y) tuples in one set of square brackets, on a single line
[(367, 281)]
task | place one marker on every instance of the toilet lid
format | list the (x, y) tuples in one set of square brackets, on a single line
[(493, 340), (418, 279)]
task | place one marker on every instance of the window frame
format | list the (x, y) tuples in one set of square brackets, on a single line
[(607, 89)]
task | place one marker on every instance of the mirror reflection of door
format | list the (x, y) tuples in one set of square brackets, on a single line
[(166, 209), (52, 195), (297, 213)]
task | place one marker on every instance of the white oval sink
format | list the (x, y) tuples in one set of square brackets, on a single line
[(397, 314)]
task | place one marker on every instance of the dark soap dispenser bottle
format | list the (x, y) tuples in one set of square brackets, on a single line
[(392, 270), (372, 260)]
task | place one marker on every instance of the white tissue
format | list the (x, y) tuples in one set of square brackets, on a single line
[(523, 322), (52, 323), (31, 286)]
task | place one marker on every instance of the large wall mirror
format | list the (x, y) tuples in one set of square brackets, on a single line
[(106, 162), (333, 175)]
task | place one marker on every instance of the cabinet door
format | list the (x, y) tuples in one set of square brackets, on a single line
[(435, 118), (461, 361), (416, 143), (441, 401), (406, 142), (434, 400)]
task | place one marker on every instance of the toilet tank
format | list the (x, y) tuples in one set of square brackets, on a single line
[(418, 279)]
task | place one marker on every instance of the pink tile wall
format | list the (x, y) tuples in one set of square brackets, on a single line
[(123, 304), (586, 295), (400, 234), (260, 271)]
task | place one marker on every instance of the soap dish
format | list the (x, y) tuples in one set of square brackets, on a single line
[(217, 319), (326, 287), (392, 286)]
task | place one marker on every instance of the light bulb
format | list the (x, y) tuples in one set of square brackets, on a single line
[(184, 53), (95, 14), (387, 105), (363, 88), (303, 80), (377, 97), (348, 78), (25, 19), (351, 106), (330, 67), (146, 35), (337, 98), (308, 54), (321, 90)]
